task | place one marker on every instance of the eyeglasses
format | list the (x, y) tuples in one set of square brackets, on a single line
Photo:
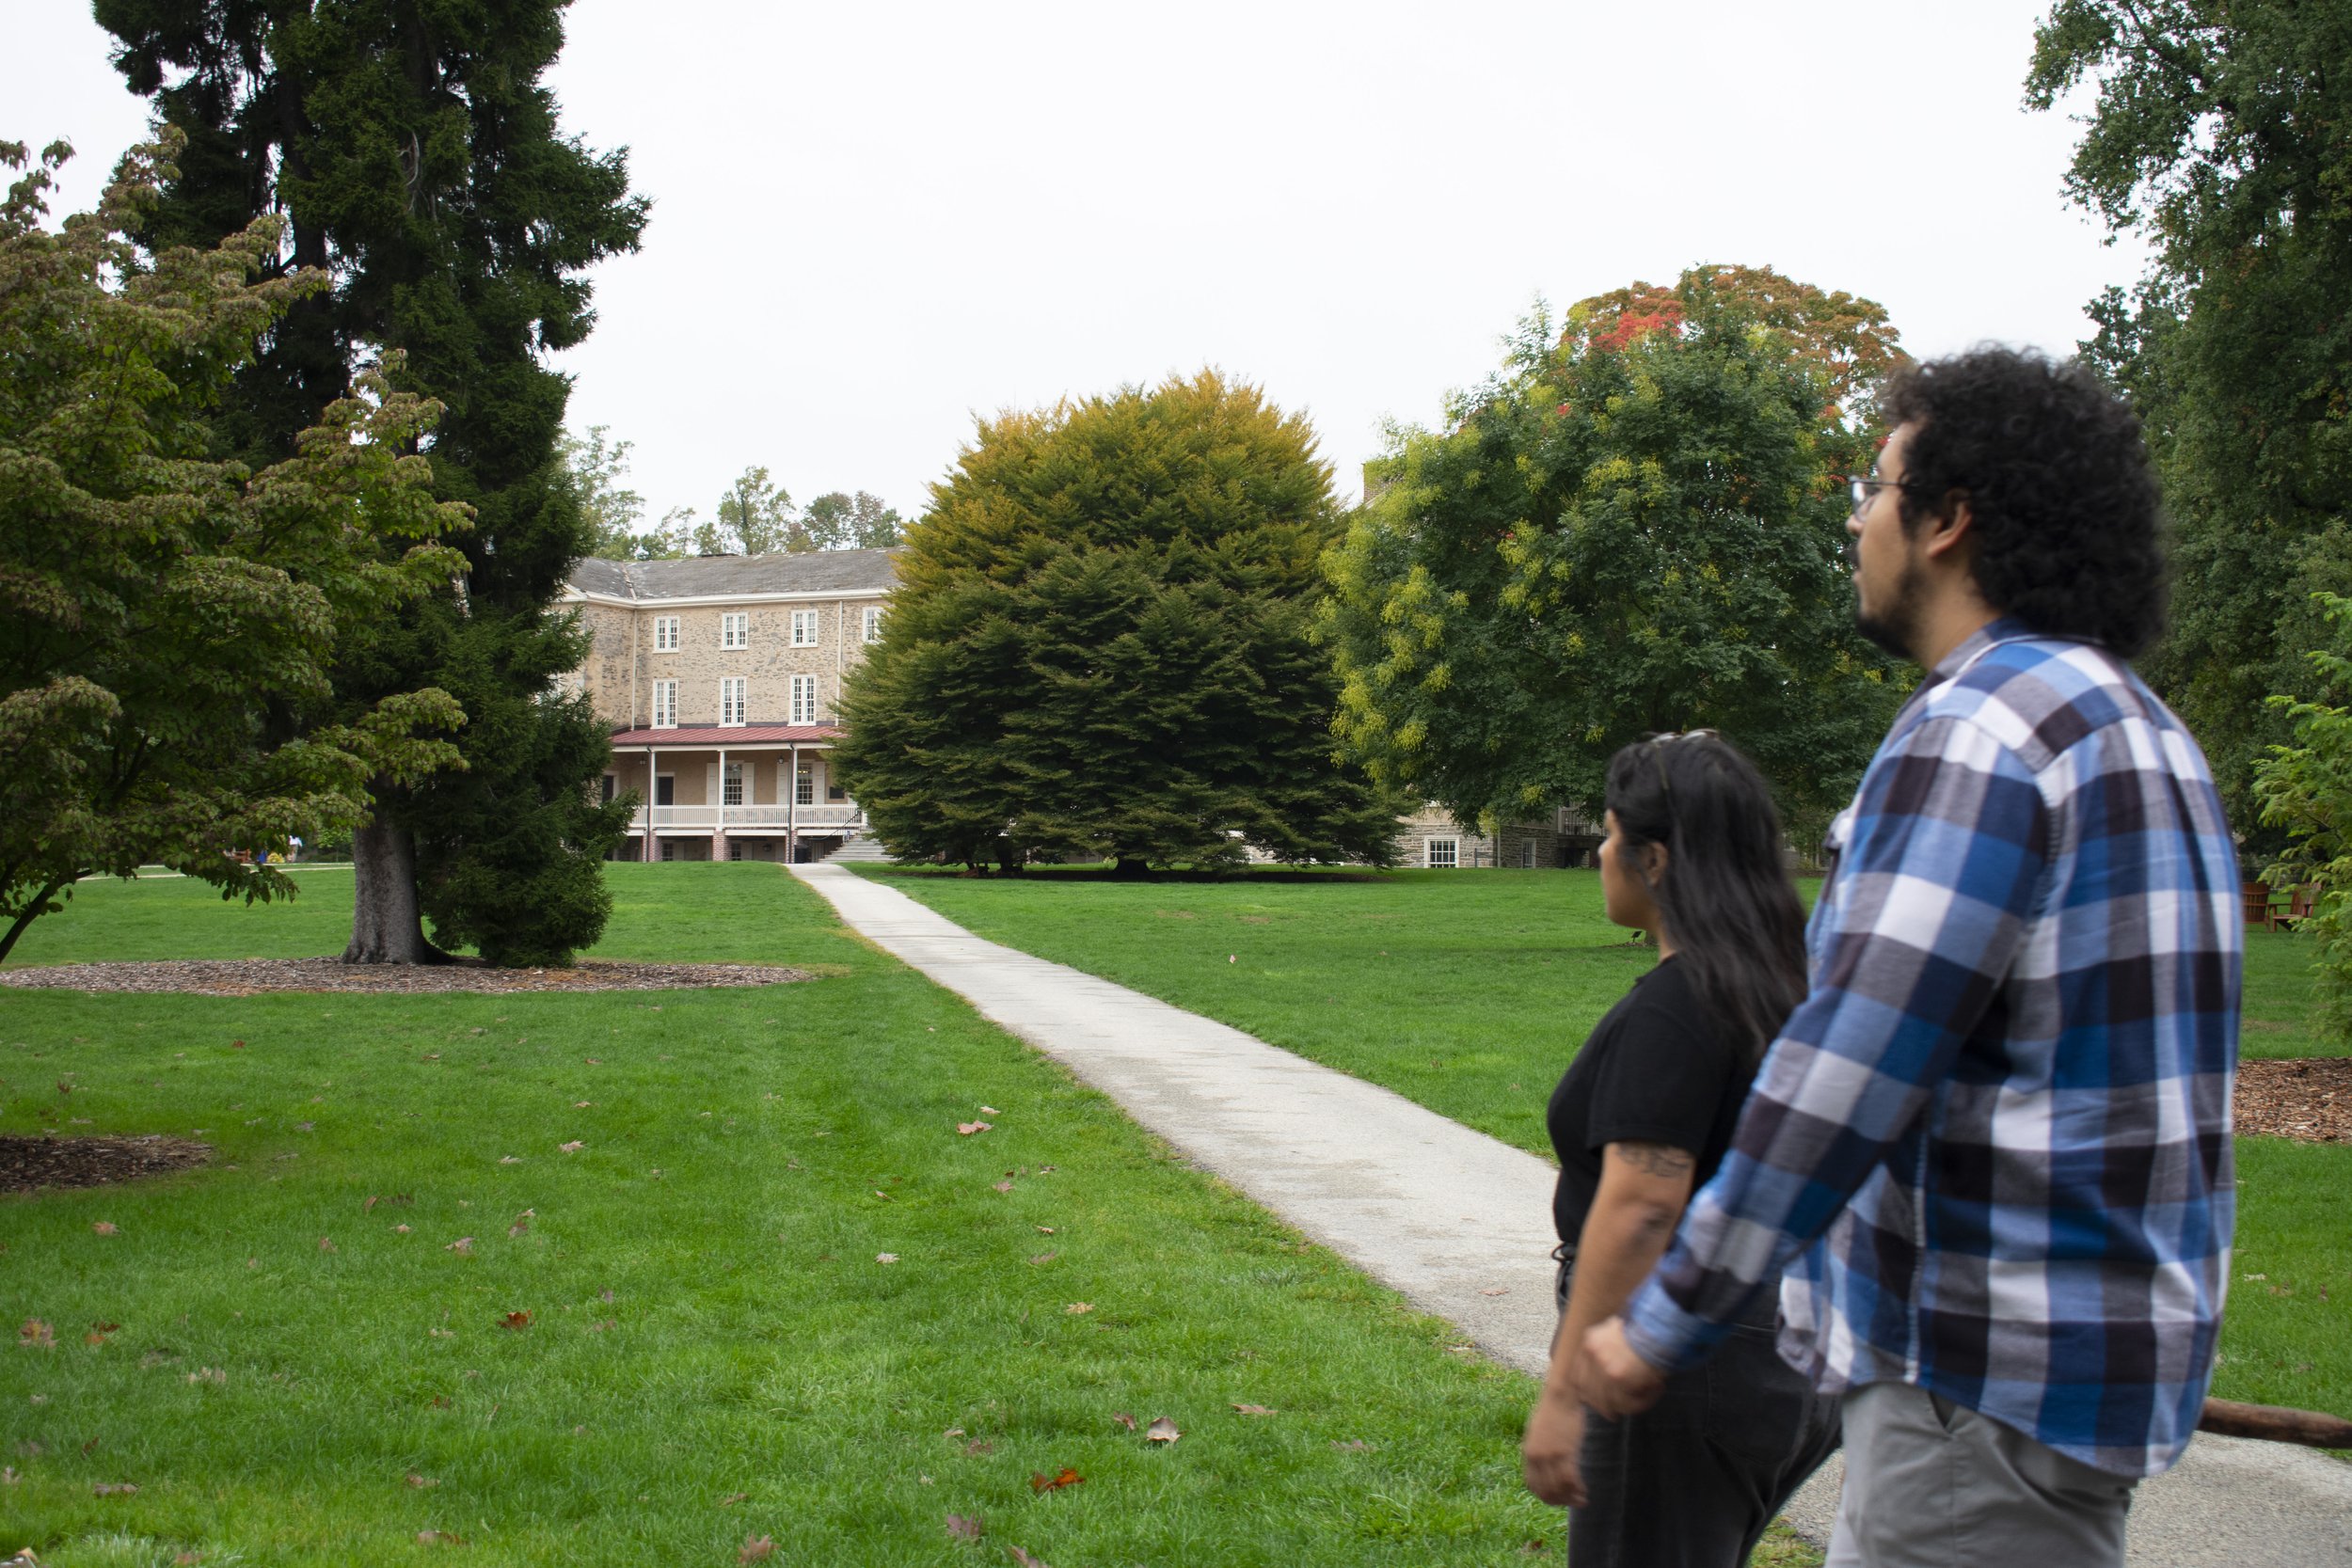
[(1861, 486)]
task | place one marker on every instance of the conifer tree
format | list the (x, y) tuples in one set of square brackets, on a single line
[(415, 154), (1100, 646)]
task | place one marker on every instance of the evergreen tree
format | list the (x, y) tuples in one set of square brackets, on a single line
[(1637, 528), (1100, 646), (415, 154)]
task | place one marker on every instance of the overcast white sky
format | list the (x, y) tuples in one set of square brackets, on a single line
[(872, 221)]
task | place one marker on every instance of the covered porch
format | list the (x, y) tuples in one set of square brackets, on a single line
[(711, 792)]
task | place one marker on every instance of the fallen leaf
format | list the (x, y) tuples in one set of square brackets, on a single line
[(522, 1223), (1045, 1231), (369, 1204), (442, 1332), (1047, 1171), (968, 1128), (105, 1228), (213, 1375), (963, 1529), (1124, 1419), (515, 1319), (1254, 1410), (1044, 1258), (596, 1061), (1354, 1445), (1002, 1186), (756, 1548), (401, 1230), (977, 1447), (463, 1246), (305, 1126), (572, 1148), (510, 1159), (1078, 1306), (1495, 1290), (1068, 1478), (990, 1110), (326, 1244), (581, 1105), (885, 1258), (953, 1432), (236, 1045), (1162, 1429), (734, 1497), (115, 1489), (1025, 1561), (1233, 957), (419, 1481), (35, 1333), (439, 1537)]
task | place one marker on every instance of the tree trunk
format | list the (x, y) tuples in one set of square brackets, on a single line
[(386, 926)]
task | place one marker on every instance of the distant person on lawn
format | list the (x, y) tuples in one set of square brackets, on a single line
[(1643, 1114), (1994, 1141)]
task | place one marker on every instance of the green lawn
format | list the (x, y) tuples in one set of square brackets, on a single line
[(714, 1353), (1468, 992)]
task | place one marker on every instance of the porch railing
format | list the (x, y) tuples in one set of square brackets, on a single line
[(715, 817)]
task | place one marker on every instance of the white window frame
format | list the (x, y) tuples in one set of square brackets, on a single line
[(1450, 858), (805, 786), (872, 619), (734, 698), (731, 781), (803, 699), (1527, 854), (735, 631), (665, 634), (665, 705), (805, 628)]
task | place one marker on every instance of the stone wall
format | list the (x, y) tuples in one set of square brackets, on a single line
[(621, 665)]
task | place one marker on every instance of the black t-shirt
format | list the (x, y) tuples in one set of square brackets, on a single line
[(1654, 1071)]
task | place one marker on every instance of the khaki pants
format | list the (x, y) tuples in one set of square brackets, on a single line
[(1933, 1484)]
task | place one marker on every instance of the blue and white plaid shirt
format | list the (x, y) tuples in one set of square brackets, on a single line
[(1998, 1128)]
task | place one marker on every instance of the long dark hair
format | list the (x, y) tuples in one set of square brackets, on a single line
[(1725, 902)]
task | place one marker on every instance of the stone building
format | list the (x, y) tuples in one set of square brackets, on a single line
[(721, 677), (1431, 837)]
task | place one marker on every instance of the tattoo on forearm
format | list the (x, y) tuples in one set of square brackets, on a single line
[(1659, 1160)]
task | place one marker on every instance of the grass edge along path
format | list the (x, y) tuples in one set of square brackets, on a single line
[(1468, 992), (292, 1361)]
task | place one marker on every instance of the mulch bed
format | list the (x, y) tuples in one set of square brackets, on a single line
[(2307, 1098), (29, 1165), (246, 977)]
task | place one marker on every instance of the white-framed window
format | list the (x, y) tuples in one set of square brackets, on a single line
[(803, 699), (731, 785), (735, 629), (804, 628), (665, 705), (1527, 854), (669, 848), (872, 618), (1444, 854), (733, 692), (804, 788), (665, 634)]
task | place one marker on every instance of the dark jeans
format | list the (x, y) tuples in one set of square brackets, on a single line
[(1693, 1481)]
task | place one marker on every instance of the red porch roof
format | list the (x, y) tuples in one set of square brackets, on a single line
[(731, 734)]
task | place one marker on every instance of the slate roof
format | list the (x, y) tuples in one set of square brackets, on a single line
[(718, 577)]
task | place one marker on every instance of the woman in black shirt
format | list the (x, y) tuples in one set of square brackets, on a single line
[(1640, 1121)]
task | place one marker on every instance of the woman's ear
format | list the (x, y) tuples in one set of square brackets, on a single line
[(1653, 864)]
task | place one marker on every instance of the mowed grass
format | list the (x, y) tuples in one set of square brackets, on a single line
[(286, 1355), (1469, 991)]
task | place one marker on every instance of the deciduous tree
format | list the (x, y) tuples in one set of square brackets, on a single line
[(167, 618), (2218, 133), (1099, 646), (839, 521), (1636, 526)]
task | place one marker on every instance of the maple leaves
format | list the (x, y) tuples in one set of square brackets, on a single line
[(1054, 1483), (967, 1128)]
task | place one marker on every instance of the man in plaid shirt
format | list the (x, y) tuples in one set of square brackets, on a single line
[(1992, 1148)]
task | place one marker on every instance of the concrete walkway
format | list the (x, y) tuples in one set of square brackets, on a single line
[(1459, 1223)]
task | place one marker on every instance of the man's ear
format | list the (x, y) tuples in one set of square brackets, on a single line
[(1952, 529)]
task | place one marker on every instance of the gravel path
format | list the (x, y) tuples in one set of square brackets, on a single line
[(1460, 1223), (246, 977)]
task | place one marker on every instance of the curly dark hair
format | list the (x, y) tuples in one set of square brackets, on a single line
[(2058, 479)]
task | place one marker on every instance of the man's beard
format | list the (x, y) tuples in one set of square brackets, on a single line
[(1896, 626)]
